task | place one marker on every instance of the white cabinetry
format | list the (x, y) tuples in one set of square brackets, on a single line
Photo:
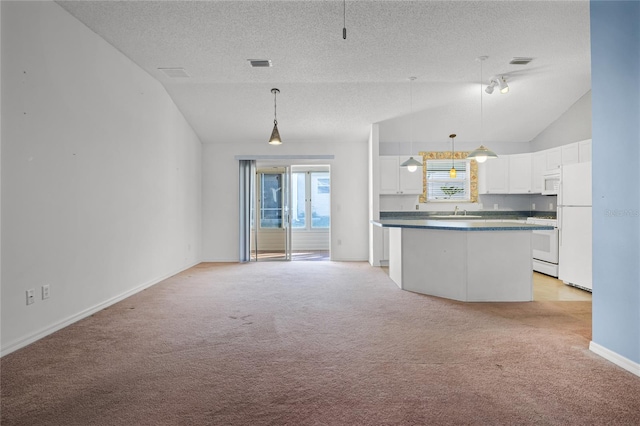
[(538, 167), (520, 173), (554, 158), (493, 176), (507, 174), (584, 150), (389, 175), (398, 180), (577, 152), (570, 153), (523, 173)]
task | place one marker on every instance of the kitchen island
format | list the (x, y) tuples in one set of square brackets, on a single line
[(466, 260)]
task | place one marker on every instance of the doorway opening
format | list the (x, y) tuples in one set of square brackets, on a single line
[(292, 213)]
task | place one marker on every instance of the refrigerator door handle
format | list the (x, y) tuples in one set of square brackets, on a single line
[(560, 216)]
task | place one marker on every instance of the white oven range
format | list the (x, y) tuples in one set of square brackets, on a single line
[(545, 246)]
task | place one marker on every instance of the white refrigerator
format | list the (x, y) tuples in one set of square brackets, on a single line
[(574, 224)]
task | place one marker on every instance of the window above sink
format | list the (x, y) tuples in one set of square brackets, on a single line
[(440, 187)]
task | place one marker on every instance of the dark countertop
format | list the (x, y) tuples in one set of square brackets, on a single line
[(458, 225), (484, 214)]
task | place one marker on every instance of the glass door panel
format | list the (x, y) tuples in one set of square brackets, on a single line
[(274, 227), (320, 200)]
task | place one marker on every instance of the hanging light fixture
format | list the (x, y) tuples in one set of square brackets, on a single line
[(411, 164), (452, 172), (482, 154), (275, 134), (344, 19)]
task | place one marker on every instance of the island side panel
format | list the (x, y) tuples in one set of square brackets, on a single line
[(434, 262), (499, 266), (395, 255)]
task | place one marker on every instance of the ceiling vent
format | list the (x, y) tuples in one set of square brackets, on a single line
[(520, 61), (260, 63), (175, 72)]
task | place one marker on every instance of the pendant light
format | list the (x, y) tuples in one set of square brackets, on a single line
[(452, 172), (411, 164), (275, 134), (481, 154)]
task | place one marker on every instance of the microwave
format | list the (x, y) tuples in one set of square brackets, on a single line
[(551, 182)]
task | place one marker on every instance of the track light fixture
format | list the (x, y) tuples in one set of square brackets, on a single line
[(497, 81), (275, 134), (502, 84), (491, 86)]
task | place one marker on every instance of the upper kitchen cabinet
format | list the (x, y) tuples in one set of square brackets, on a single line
[(396, 180), (538, 167), (493, 176), (520, 171), (553, 158), (570, 153), (584, 153), (576, 152), (507, 174)]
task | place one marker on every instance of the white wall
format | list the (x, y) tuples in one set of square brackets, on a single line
[(395, 147), (101, 174), (349, 224), (572, 126)]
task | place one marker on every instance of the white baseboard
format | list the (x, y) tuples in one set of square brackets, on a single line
[(617, 359), (21, 343)]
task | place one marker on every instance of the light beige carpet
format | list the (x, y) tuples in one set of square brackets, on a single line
[(316, 343)]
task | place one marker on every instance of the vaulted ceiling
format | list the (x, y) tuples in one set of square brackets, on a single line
[(332, 88)]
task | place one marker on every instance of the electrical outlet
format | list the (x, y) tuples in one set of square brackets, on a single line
[(45, 291), (533, 206), (31, 296), (417, 206), (550, 206), (495, 207)]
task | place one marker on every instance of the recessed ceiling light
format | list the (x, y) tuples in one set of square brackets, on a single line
[(520, 61), (175, 72), (260, 63)]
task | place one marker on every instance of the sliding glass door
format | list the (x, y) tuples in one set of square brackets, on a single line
[(273, 230), (285, 212)]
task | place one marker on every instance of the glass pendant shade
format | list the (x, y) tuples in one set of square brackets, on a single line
[(482, 154), (275, 135), (411, 164), (452, 173)]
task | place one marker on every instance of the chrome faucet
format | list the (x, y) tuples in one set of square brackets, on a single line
[(455, 211)]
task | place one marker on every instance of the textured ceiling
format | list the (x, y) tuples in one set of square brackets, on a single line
[(333, 89)]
